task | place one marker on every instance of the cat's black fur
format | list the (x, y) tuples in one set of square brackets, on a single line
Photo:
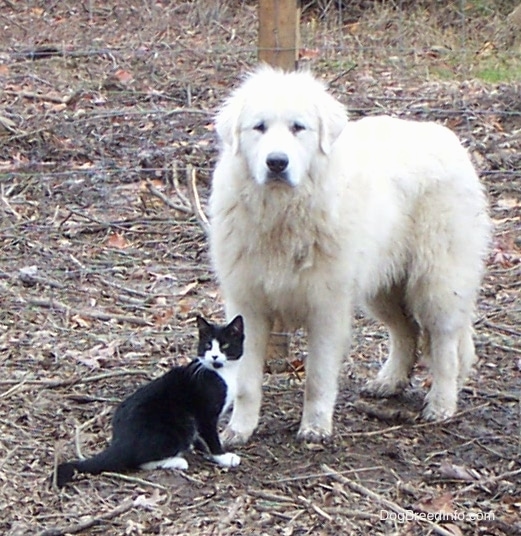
[(169, 415)]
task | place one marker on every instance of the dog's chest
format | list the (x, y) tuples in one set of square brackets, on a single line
[(291, 238)]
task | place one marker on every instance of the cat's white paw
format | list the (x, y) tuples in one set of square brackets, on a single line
[(175, 462), (229, 459)]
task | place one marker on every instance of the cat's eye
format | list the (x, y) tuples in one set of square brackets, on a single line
[(208, 346), (260, 127), (225, 346), (297, 127)]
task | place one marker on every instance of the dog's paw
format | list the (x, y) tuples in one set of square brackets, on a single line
[(440, 404), (308, 434), (228, 459), (437, 413), (383, 389), (230, 437)]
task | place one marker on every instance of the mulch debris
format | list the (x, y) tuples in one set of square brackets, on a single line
[(106, 153)]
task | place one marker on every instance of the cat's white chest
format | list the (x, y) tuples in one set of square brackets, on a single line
[(229, 375)]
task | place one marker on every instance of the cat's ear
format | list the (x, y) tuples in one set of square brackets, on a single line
[(236, 326), (202, 324)]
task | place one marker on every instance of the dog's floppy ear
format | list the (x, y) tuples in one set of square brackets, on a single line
[(333, 118), (227, 123)]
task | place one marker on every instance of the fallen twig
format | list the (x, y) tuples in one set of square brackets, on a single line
[(195, 200), (28, 278), (134, 479), (90, 521), (321, 475), (13, 389), (489, 480), (504, 348), (37, 96), (500, 395), (315, 508), (175, 182), (81, 427), (232, 512), (168, 202), (362, 490), (98, 315), (50, 384)]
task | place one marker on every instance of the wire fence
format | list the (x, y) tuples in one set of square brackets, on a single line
[(118, 92)]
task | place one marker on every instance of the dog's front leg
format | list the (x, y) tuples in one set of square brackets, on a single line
[(246, 407), (329, 338)]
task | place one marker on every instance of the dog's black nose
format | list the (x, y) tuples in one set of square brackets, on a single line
[(277, 162)]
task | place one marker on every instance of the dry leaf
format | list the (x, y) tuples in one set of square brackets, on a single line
[(123, 76), (81, 322), (458, 472), (149, 503), (96, 356), (508, 203), (505, 252), (163, 317), (442, 504), (353, 28), (187, 289), (118, 241), (185, 306), (297, 365), (84, 165), (6, 125), (308, 53)]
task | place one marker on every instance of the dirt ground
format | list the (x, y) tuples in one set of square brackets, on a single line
[(106, 152)]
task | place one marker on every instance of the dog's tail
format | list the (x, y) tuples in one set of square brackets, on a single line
[(112, 459)]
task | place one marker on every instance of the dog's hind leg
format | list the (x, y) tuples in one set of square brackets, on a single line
[(466, 354), (444, 314), (404, 331), (451, 356), (246, 406), (441, 400), (329, 338)]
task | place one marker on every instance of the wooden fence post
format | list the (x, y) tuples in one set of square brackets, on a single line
[(278, 46), (279, 33)]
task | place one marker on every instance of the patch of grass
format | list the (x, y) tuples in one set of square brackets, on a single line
[(458, 42), (505, 72)]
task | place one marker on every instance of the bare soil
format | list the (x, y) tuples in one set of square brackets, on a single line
[(106, 146)]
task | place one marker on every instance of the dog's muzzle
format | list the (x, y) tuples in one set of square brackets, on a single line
[(277, 164)]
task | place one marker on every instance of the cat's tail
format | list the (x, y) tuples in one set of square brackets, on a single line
[(111, 459)]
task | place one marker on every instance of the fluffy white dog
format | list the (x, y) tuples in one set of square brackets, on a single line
[(312, 214)]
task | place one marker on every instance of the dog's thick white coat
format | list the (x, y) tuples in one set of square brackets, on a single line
[(380, 212)]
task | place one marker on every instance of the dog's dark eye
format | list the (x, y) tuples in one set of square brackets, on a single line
[(297, 127), (260, 127)]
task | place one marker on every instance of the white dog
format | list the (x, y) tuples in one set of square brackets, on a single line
[(312, 214)]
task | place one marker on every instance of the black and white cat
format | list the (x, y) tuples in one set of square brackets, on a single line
[(161, 420)]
